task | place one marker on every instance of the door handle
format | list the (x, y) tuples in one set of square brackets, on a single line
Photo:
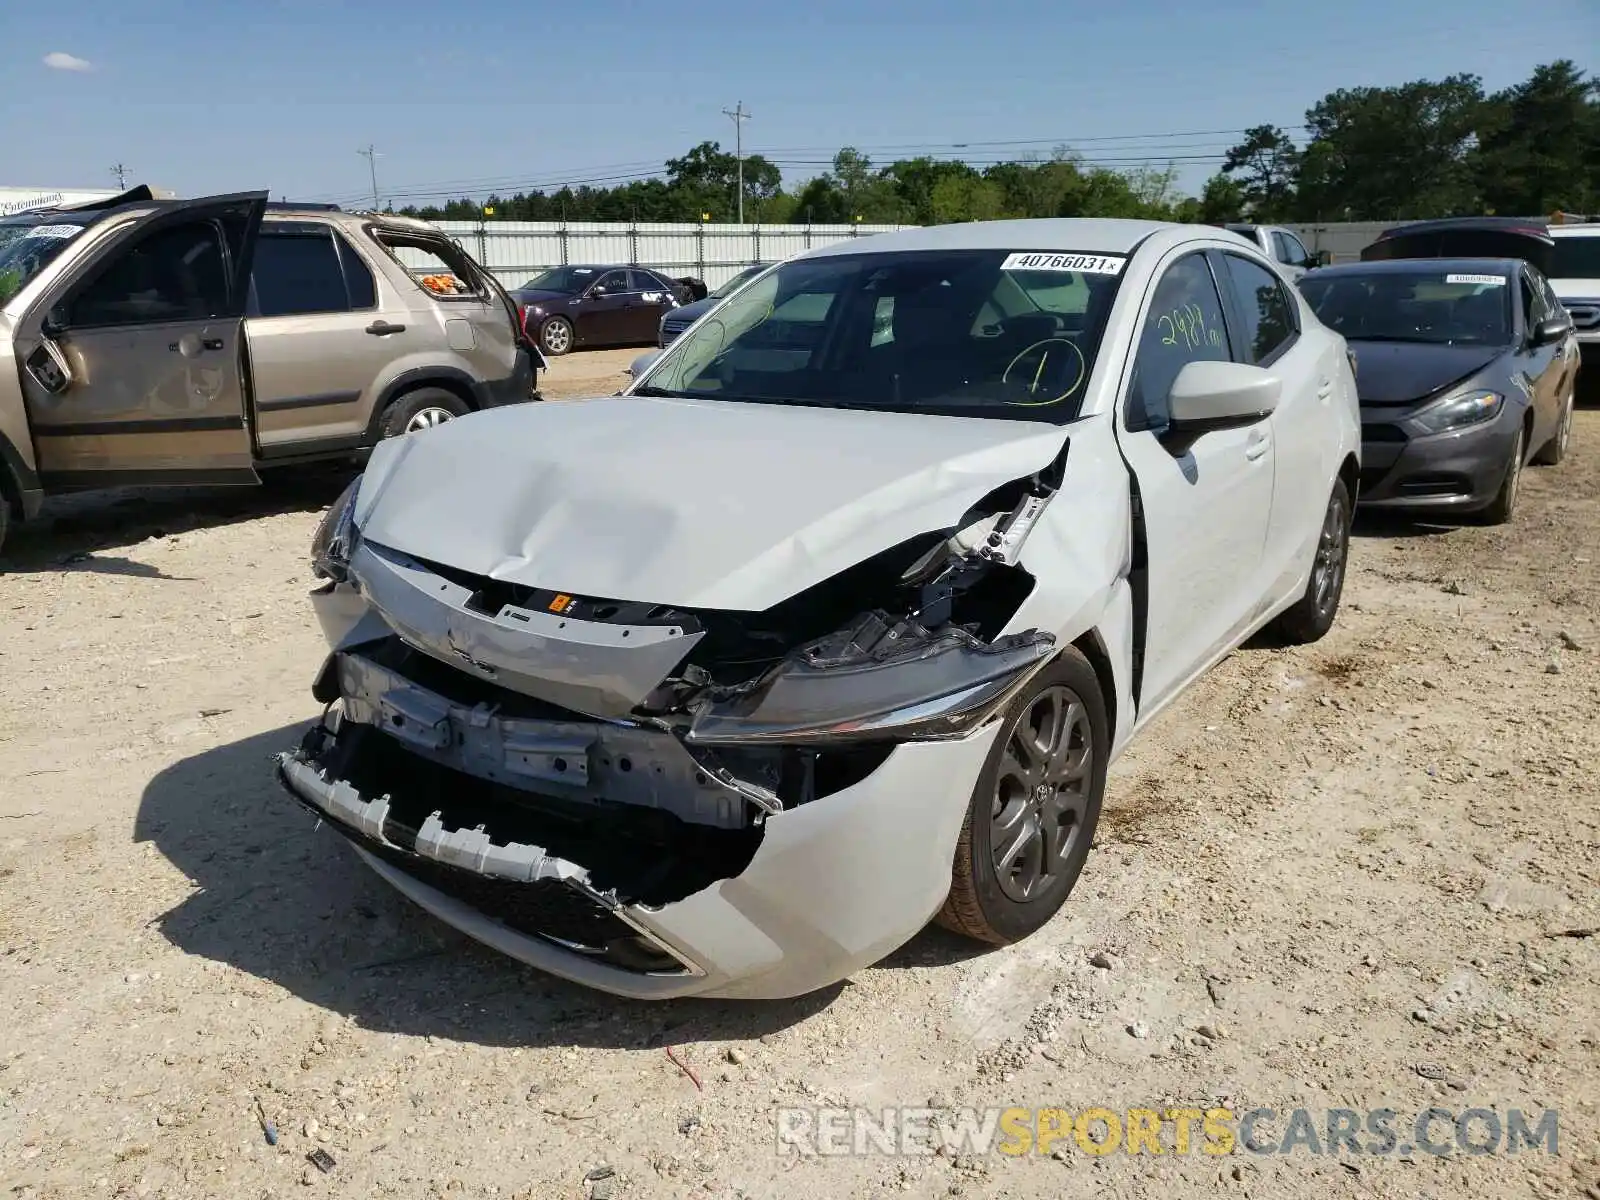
[(380, 328), (211, 343), (1256, 446)]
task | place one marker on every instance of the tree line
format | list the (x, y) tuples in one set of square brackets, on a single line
[(1428, 148)]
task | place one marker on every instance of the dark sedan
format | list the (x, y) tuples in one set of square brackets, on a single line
[(1466, 370), (565, 308), (679, 319)]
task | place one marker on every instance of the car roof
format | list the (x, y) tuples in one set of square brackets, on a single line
[(1532, 225), (1084, 234), (1403, 266)]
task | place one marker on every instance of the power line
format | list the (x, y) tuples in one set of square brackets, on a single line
[(121, 172), (739, 116)]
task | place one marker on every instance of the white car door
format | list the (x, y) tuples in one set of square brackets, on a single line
[(1206, 502), (1304, 431)]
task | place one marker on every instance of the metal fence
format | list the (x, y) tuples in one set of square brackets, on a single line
[(514, 250)]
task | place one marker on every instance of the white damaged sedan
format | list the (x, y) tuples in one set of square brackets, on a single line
[(831, 624)]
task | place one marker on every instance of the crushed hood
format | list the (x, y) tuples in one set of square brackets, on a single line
[(1403, 372), (690, 503)]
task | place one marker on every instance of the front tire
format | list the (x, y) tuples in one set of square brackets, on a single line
[(555, 335), (1504, 505), (1553, 451), (1312, 615), (1033, 813)]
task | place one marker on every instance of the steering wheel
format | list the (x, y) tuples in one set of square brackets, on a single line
[(1067, 366)]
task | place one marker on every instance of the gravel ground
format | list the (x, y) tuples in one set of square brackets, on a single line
[(1328, 877)]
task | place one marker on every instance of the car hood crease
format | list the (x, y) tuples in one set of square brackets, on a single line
[(689, 503)]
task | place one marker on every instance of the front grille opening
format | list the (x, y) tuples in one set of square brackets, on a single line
[(1382, 433), (644, 855), (1371, 477), (1435, 484)]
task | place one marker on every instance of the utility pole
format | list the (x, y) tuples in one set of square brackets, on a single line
[(739, 117), (372, 156), (121, 172)]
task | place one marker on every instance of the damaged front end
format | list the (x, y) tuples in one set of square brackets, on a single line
[(568, 767)]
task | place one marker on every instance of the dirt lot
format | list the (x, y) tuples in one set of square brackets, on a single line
[(1346, 861)]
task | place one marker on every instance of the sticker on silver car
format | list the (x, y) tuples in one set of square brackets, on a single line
[(1093, 264)]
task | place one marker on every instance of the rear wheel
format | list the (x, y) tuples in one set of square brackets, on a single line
[(555, 335), (1504, 505), (1033, 813), (1312, 615), (1555, 449), (422, 409)]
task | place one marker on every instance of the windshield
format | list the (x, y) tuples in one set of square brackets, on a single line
[(1575, 258), (989, 333), (742, 278), (28, 244), (1439, 307), (568, 280)]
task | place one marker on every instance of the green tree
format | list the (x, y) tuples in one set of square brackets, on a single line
[(1382, 153), (1221, 201), (1538, 143), (1264, 163)]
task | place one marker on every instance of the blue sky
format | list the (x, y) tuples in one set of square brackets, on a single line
[(462, 96)]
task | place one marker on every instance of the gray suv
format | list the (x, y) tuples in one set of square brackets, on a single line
[(149, 341)]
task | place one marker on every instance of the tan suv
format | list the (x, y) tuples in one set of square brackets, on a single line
[(178, 342)]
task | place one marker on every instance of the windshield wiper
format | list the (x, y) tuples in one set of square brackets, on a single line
[(661, 393)]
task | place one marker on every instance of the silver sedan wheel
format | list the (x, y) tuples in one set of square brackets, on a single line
[(427, 418), (1041, 800)]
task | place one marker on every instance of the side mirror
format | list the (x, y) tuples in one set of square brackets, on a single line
[(1208, 396), (1549, 330), (54, 323), (596, 292), (49, 368), (1321, 258), (643, 363)]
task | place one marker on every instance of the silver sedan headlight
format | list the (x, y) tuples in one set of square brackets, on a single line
[(1461, 412), (336, 537)]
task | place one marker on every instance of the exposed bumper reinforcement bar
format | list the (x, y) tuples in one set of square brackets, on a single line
[(469, 850)]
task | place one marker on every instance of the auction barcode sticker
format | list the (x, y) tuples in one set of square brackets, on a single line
[(54, 231), (1093, 264), (1492, 280)]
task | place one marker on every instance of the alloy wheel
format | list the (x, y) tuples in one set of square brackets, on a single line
[(1327, 573), (1041, 799), (427, 418), (558, 337)]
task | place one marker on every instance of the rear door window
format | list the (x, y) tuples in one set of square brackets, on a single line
[(1264, 307), (298, 273)]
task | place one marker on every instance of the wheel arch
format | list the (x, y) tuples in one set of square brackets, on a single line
[(451, 379), (1092, 646), (1350, 476)]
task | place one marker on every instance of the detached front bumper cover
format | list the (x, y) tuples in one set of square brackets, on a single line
[(876, 681)]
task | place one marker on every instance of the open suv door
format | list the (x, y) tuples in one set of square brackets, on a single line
[(132, 360)]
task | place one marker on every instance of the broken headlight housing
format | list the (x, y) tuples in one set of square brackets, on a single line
[(878, 680), (336, 537)]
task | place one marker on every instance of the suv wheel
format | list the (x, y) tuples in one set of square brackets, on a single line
[(555, 335), (422, 409)]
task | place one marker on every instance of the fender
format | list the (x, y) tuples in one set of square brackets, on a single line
[(422, 377), (18, 481)]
